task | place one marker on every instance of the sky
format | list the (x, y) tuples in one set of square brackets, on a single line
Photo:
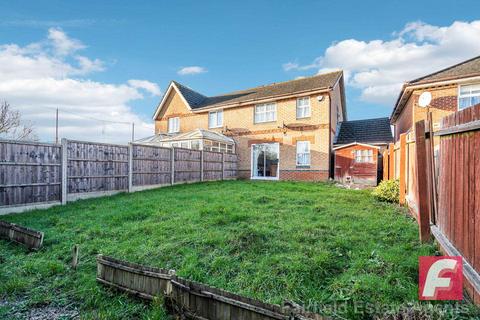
[(106, 64)]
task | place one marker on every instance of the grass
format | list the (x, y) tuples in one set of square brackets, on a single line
[(315, 244)]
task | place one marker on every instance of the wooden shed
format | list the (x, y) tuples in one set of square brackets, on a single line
[(357, 163), (358, 147)]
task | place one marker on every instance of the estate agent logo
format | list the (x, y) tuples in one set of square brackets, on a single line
[(440, 278)]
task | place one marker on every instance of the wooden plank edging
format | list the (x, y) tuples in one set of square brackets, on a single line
[(178, 291), (27, 237)]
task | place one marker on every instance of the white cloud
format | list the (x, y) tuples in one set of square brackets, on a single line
[(151, 87), (191, 70), (42, 76), (63, 44), (378, 67)]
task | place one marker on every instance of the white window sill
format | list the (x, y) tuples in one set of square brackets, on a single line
[(265, 122)]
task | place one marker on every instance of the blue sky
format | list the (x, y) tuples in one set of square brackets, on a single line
[(237, 45)]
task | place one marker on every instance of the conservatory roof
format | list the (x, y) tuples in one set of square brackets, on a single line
[(191, 135)]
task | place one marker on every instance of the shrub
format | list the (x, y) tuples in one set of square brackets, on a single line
[(387, 190)]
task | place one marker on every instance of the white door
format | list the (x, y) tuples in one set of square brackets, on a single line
[(265, 161)]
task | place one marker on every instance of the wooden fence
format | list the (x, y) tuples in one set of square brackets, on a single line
[(29, 238), (190, 299), (29, 173), (38, 175), (440, 182), (456, 210)]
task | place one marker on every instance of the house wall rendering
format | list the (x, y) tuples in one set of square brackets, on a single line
[(315, 129)]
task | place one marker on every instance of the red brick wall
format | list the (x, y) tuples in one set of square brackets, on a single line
[(304, 175)]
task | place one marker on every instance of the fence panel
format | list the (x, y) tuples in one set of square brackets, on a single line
[(187, 165), (38, 175), (151, 165), (212, 165), (30, 173), (458, 216), (96, 167), (230, 167)]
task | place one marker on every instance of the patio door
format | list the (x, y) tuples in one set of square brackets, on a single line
[(265, 161)]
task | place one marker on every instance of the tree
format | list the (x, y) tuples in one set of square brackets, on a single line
[(11, 124)]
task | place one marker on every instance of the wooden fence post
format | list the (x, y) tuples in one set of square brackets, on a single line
[(422, 182), (75, 255), (64, 170), (402, 164), (172, 167), (130, 167), (201, 165), (391, 161), (385, 164)]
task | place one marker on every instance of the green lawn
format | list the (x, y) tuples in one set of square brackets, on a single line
[(311, 243)]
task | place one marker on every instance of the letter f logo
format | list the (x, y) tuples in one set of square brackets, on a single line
[(440, 278)]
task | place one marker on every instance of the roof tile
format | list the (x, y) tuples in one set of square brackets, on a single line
[(365, 131)]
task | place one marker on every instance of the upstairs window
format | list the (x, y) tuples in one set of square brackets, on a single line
[(303, 153), (468, 96), (173, 125), (266, 112), (215, 119), (363, 156), (303, 107)]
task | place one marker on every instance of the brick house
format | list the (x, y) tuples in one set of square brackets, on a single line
[(280, 131), (452, 89)]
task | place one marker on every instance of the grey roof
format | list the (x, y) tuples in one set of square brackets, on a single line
[(193, 98), (463, 69), (364, 131), (321, 81)]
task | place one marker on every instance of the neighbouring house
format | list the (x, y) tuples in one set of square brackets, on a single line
[(454, 88), (280, 131), (358, 148)]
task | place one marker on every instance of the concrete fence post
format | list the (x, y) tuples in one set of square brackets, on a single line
[(172, 167), (130, 167), (64, 187), (201, 165)]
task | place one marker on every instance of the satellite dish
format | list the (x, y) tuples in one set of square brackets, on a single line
[(425, 99)]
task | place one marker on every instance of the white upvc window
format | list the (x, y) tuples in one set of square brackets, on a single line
[(303, 107), (173, 125), (303, 153), (468, 95), (363, 156), (215, 119), (266, 112)]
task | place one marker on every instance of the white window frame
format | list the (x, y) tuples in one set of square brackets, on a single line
[(277, 145), (265, 112), (363, 156), (468, 95), (303, 107), (304, 153), (218, 124), (174, 125)]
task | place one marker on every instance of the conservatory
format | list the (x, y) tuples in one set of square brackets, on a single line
[(197, 139)]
